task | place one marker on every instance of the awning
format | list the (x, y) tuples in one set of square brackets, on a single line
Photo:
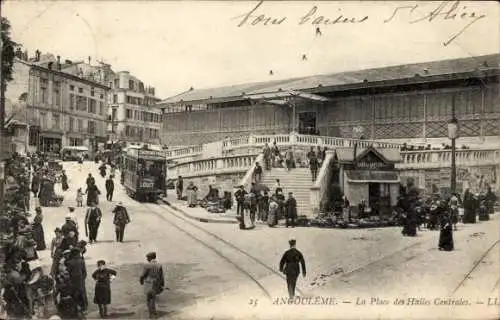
[(366, 176), (281, 97)]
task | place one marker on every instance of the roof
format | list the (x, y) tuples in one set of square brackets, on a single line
[(398, 72), (360, 176), (347, 154)]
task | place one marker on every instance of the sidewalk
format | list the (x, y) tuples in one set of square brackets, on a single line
[(199, 213)]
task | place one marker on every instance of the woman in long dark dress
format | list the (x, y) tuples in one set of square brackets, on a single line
[(37, 230), (446, 234), (64, 181), (103, 277)]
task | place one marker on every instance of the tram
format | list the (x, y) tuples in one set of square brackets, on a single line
[(144, 173)]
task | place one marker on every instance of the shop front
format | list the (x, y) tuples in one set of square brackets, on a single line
[(369, 179), (50, 142)]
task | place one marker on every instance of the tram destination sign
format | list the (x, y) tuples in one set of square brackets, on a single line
[(147, 154), (151, 154)]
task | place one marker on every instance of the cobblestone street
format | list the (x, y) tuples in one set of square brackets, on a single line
[(345, 264)]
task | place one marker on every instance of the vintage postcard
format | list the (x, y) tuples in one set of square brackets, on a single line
[(249, 159)]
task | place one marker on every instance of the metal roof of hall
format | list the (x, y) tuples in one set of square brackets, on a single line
[(433, 68)]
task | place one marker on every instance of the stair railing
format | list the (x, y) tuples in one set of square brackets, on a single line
[(319, 190)]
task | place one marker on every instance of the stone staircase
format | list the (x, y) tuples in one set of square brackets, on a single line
[(297, 181)]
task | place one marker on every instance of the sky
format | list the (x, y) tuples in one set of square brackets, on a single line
[(175, 45)]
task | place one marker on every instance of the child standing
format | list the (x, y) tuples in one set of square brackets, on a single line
[(79, 197), (103, 277)]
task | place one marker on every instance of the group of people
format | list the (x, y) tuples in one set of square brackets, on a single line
[(259, 205), (443, 214), (43, 183)]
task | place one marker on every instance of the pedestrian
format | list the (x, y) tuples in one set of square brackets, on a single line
[(68, 242), (55, 251), (64, 181), (267, 153), (110, 187), (179, 187), (453, 204), (153, 281), (79, 197), (446, 234), (102, 294), (289, 159), (120, 220), (37, 230), (66, 306), (70, 225), (483, 211), (35, 184), (192, 195), (290, 210), (92, 222), (90, 180), (264, 206), (240, 199), (290, 265), (77, 273), (314, 166), (92, 193), (273, 210), (257, 173)]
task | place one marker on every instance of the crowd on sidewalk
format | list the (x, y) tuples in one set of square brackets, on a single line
[(26, 290)]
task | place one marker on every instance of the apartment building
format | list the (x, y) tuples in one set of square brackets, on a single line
[(133, 115), (62, 108)]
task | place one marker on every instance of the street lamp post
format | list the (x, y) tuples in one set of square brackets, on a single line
[(453, 135)]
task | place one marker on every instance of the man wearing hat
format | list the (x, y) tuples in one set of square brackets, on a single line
[(120, 220), (92, 222), (240, 199), (70, 224), (289, 265), (153, 280)]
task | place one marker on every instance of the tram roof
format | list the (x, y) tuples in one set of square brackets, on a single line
[(417, 72)]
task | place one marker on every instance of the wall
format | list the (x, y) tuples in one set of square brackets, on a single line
[(414, 114), (189, 128), (466, 178)]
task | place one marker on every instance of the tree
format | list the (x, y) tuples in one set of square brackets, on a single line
[(8, 46)]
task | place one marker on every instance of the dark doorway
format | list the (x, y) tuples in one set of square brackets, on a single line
[(374, 197), (307, 123)]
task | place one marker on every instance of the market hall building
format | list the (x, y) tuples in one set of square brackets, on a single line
[(406, 103)]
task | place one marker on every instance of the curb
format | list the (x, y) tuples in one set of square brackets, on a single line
[(205, 220)]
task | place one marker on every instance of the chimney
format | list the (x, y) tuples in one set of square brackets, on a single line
[(37, 55), (59, 63), (90, 59)]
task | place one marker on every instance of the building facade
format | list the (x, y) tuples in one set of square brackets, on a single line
[(62, 109), (133, 116), (409, 103)]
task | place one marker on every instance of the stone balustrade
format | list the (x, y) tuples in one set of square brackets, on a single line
[(282, 140), (320, 187), (425, 159), (212, 166), (432, 159), (185, 152)]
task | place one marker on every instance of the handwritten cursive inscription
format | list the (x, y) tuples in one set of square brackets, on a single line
[(321, 20), (446, 10), (260, 19)]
